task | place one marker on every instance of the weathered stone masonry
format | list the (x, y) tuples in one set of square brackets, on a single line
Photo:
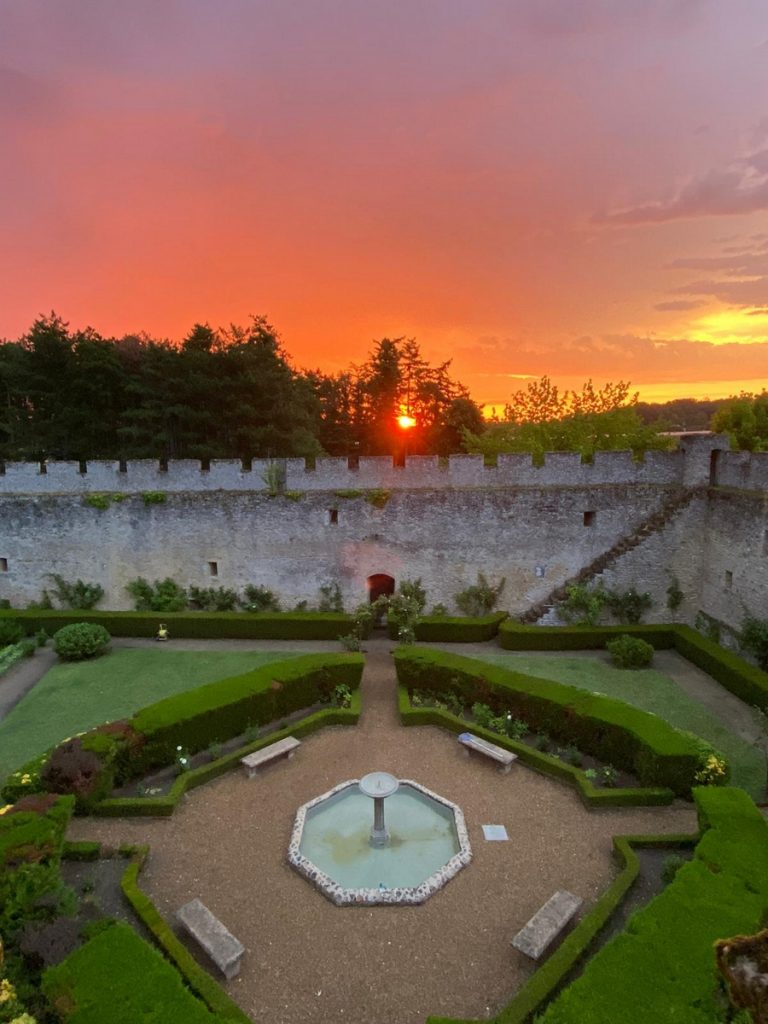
[(537, 526)]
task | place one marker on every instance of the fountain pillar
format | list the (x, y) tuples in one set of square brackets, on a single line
[(378, 786)]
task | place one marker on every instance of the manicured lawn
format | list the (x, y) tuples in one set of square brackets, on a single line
[(79, 695), (651, 691)]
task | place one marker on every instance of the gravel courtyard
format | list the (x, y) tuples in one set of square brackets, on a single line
[(308, 961)]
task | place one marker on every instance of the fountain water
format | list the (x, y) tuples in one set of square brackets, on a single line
[(423, 844)]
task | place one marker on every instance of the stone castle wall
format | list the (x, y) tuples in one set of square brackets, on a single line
[(443, 522)]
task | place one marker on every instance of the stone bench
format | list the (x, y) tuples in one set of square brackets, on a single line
[(471, 742), (221, 946), (546, 924), (283, 748)]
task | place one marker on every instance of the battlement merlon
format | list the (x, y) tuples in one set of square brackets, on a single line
[(697, 462)]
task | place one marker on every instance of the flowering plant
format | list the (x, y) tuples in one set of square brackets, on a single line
[(712, 771)]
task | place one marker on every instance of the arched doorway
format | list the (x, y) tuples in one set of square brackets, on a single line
[(379, 584)]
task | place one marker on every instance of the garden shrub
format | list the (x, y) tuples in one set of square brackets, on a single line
[(161, 596), (81, 640), (259, 599), (583, 606), (116, 969), (32, 830), (331, 599), (78, 595), (614, 732), (213, 599), (10, 632), (480, 598), (456, 629), (630, 652), (754, 639), (628, 606), (82, 766)]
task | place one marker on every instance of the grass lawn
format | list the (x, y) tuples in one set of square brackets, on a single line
[(651, 691), (79, 695)]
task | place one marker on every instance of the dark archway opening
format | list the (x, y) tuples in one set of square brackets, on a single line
[(714, 458), (379, 584)]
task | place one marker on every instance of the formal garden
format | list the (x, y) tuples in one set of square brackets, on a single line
[(125, 798)]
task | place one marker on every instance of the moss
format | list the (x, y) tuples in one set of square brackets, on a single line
[(378, 497)]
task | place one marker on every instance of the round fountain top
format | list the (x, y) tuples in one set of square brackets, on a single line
[(378, 784)]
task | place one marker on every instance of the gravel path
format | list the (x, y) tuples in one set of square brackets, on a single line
[(308, 961)]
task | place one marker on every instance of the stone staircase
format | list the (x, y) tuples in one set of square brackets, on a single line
[(655, 522)]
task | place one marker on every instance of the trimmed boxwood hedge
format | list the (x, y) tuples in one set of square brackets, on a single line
[(117, 976), (195, 625), (217, 711), (221, 710), (641, 743), (664, 961), (514, 636), (745, 681), (162, 806), (198, 979), (593, 796), (454, 629)]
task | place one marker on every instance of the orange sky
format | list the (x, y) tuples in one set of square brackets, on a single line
[(532, 187)]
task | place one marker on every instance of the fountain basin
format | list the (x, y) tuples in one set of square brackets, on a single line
[(427, 845)]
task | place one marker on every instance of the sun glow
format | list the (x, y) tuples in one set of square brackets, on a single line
[(743, 326), (406, 422)]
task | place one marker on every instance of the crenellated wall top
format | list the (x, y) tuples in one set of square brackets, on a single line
[(691, 465)]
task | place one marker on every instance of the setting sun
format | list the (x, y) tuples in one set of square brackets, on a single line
[(406, 422)]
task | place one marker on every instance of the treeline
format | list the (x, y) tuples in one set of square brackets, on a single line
[(218, 394)]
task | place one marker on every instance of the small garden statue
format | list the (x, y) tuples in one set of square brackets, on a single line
[(162, 633)]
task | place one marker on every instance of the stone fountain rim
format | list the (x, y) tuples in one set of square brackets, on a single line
[(401, 895)]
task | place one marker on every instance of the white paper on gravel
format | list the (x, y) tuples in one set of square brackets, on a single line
[(495, 833)]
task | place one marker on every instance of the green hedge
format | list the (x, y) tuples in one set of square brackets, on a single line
[(198, 979), (221, 710), (117, 976), (641, 743), (746, 681), (196, 718), (163, 806), (593, 796), (575, 946), (514, 636), (454, 629), (664, 961), (34, 830), (194, 625)]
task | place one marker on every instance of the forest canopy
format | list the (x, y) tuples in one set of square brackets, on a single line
[(219, 393), (234, 393)]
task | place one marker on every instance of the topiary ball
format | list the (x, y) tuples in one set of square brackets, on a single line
[(81, 640)]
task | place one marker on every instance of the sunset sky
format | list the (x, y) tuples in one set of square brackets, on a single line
[(570, 187)]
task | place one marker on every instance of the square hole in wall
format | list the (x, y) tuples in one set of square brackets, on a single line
[(213, 568), (728, 579), (3, 565), (332, 517), (590, 517)]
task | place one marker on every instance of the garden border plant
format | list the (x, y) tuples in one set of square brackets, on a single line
[(641, 743), (547, 764), (192, 720)]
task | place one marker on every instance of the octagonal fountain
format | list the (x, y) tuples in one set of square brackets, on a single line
[(379, 840)]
